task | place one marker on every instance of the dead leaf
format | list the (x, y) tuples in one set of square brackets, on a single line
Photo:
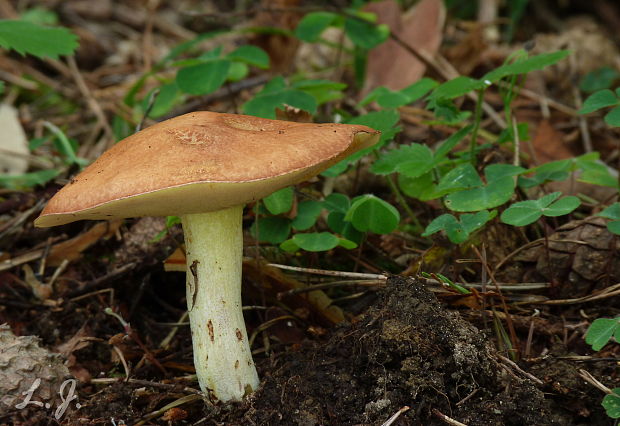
[(72, 249), (548, 144), (393, 66), (13, 144), (280, 48)]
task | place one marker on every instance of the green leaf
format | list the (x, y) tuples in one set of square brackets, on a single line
[(499, 171), (599, 177), (494, 194), (347, 244), (322, 90), (369, 213), (27, 180), (40, 16), (273, 230), (316, 241), (336, 222), (274, 95), (462, 176), (602, 99), (313, 24), (411, 160), (600, 332), (337, 203), (251, 55), (168, 95), (526, 65), (526, 212), (612, 212), (204, 78), (422, 188), (599, 79), (449, 144), (237, 71), (28, 38), (365, 34), (458, 231), (612, 118), (614, 228), (387, 98), (562, 206), (280, 201), (611, 403), (456, 87), (308, 212), (384, 121)]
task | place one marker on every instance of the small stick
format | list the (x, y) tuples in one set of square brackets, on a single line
[(123, 361), (585, 375), (519, 369), (129, 331), (140, 382), (331, 285), (92, 103), (165, 343), (330, 273), (397, 414), (447, 419)]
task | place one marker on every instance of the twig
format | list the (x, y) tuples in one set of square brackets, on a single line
[(139, 382), (585, 375), (165, 343), (446, 419), (91, 101), (332, 284), (151, 102), (330, 273), (397, 414), (511, 328), (134, 336), (519, 369), (123, 361), (610, 291)]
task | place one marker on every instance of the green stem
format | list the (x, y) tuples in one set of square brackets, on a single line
[(403, 203), (222, 355), (474, 132)]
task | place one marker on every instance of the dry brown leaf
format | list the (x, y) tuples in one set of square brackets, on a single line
[(421, 27), (280, 48), (548, 144), (72, 249)]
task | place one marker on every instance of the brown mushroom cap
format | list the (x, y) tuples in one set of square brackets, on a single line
[(200, 162)]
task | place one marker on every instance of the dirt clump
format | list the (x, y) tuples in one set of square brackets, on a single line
[(405, 351)]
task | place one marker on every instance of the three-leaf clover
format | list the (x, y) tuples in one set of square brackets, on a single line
[(525, 212)]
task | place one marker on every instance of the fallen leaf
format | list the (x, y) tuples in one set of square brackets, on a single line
[(72, 249), (13, 144), (420, 27), (548, 144)]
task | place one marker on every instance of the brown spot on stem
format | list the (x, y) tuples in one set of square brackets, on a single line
[(237, 364), (211, 333), (239, 335), (193, 289)]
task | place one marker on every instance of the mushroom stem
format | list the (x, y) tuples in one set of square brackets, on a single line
[(222, 356)]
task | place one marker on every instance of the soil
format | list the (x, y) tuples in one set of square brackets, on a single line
[(405, 351)]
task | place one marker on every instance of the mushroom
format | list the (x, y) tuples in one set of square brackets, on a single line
[(204, 167)]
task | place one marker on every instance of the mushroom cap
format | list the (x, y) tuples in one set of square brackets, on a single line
[(200, 162)]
